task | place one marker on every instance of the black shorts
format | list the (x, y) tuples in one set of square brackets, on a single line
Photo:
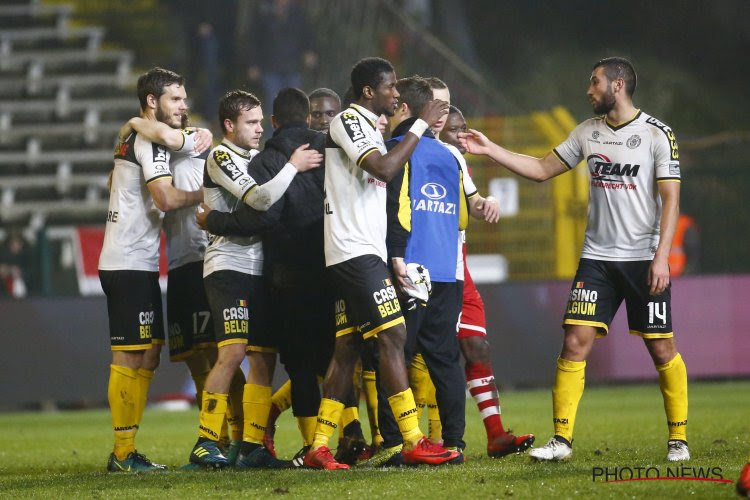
[(239, 307), (365, 298), (599, 288), (136, 318), (303, 321), (188, 314)]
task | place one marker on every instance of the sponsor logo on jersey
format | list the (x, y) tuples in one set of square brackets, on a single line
[(225, 163), (633, 141), (613, 143), (387, 301), (378, 183), (341, 318), (352, 126), (160, 153), (674, 168), (674, 151), (145, 324), (236, 318), (122, 149), (608, 175), (440, 207), (434, 191), (582, 301)]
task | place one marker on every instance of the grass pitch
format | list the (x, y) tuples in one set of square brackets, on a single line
[(64, 454)]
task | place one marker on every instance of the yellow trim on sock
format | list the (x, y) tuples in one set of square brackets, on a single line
[(256, 402), (122, 394), (306, 427), (348, 415), (144, 381), (570, 379), (282, 398), (212, 415), (674, 390), (371, 401), (405, 410), (235, 405), (327, 421)]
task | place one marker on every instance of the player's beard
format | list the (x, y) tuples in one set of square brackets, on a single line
[(607, 104), (166, 117)]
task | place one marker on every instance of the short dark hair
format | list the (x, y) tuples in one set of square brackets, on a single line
[(291, 105), (348, 98), (415, 92), (235, 102), (619, 67), (324, 92), (436, 83), (154, 81), (368, 72), (452, 110)]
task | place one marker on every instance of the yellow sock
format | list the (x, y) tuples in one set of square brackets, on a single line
[(674, 389), (256, 402), (371, 399), (213, 414), (144, 380), (405, 411), (122, 394), (307, 429), (419, 378), (434, 425), (348, 415), (282, 398), (566, 393), (235, 415), (328, 414)]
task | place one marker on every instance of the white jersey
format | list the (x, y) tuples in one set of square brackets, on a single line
[(131, 236), (470, 189), (625, 164), (355, 220), (226, 186), (186, 241)]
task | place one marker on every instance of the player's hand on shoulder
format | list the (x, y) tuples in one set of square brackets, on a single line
[(434, 111), (658, 276), (203, 140), (201, 215), (305, 159), (474, 142)]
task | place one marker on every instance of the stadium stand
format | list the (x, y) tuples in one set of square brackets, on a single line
[(62, 99)]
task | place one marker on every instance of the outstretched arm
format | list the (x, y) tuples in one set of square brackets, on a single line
[(535, 169), (385, 166), (197, 139)]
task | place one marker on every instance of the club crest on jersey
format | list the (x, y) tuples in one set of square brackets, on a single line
[(633, 141), (595, 134)]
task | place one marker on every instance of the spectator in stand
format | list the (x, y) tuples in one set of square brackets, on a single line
[(282, 45), (15, 264)]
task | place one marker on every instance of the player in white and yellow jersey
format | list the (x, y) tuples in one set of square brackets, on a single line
[(232, 271), (634, 165), (141, 191), (357, 169)]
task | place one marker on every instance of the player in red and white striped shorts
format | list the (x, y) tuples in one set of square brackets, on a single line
[(472, 338)]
